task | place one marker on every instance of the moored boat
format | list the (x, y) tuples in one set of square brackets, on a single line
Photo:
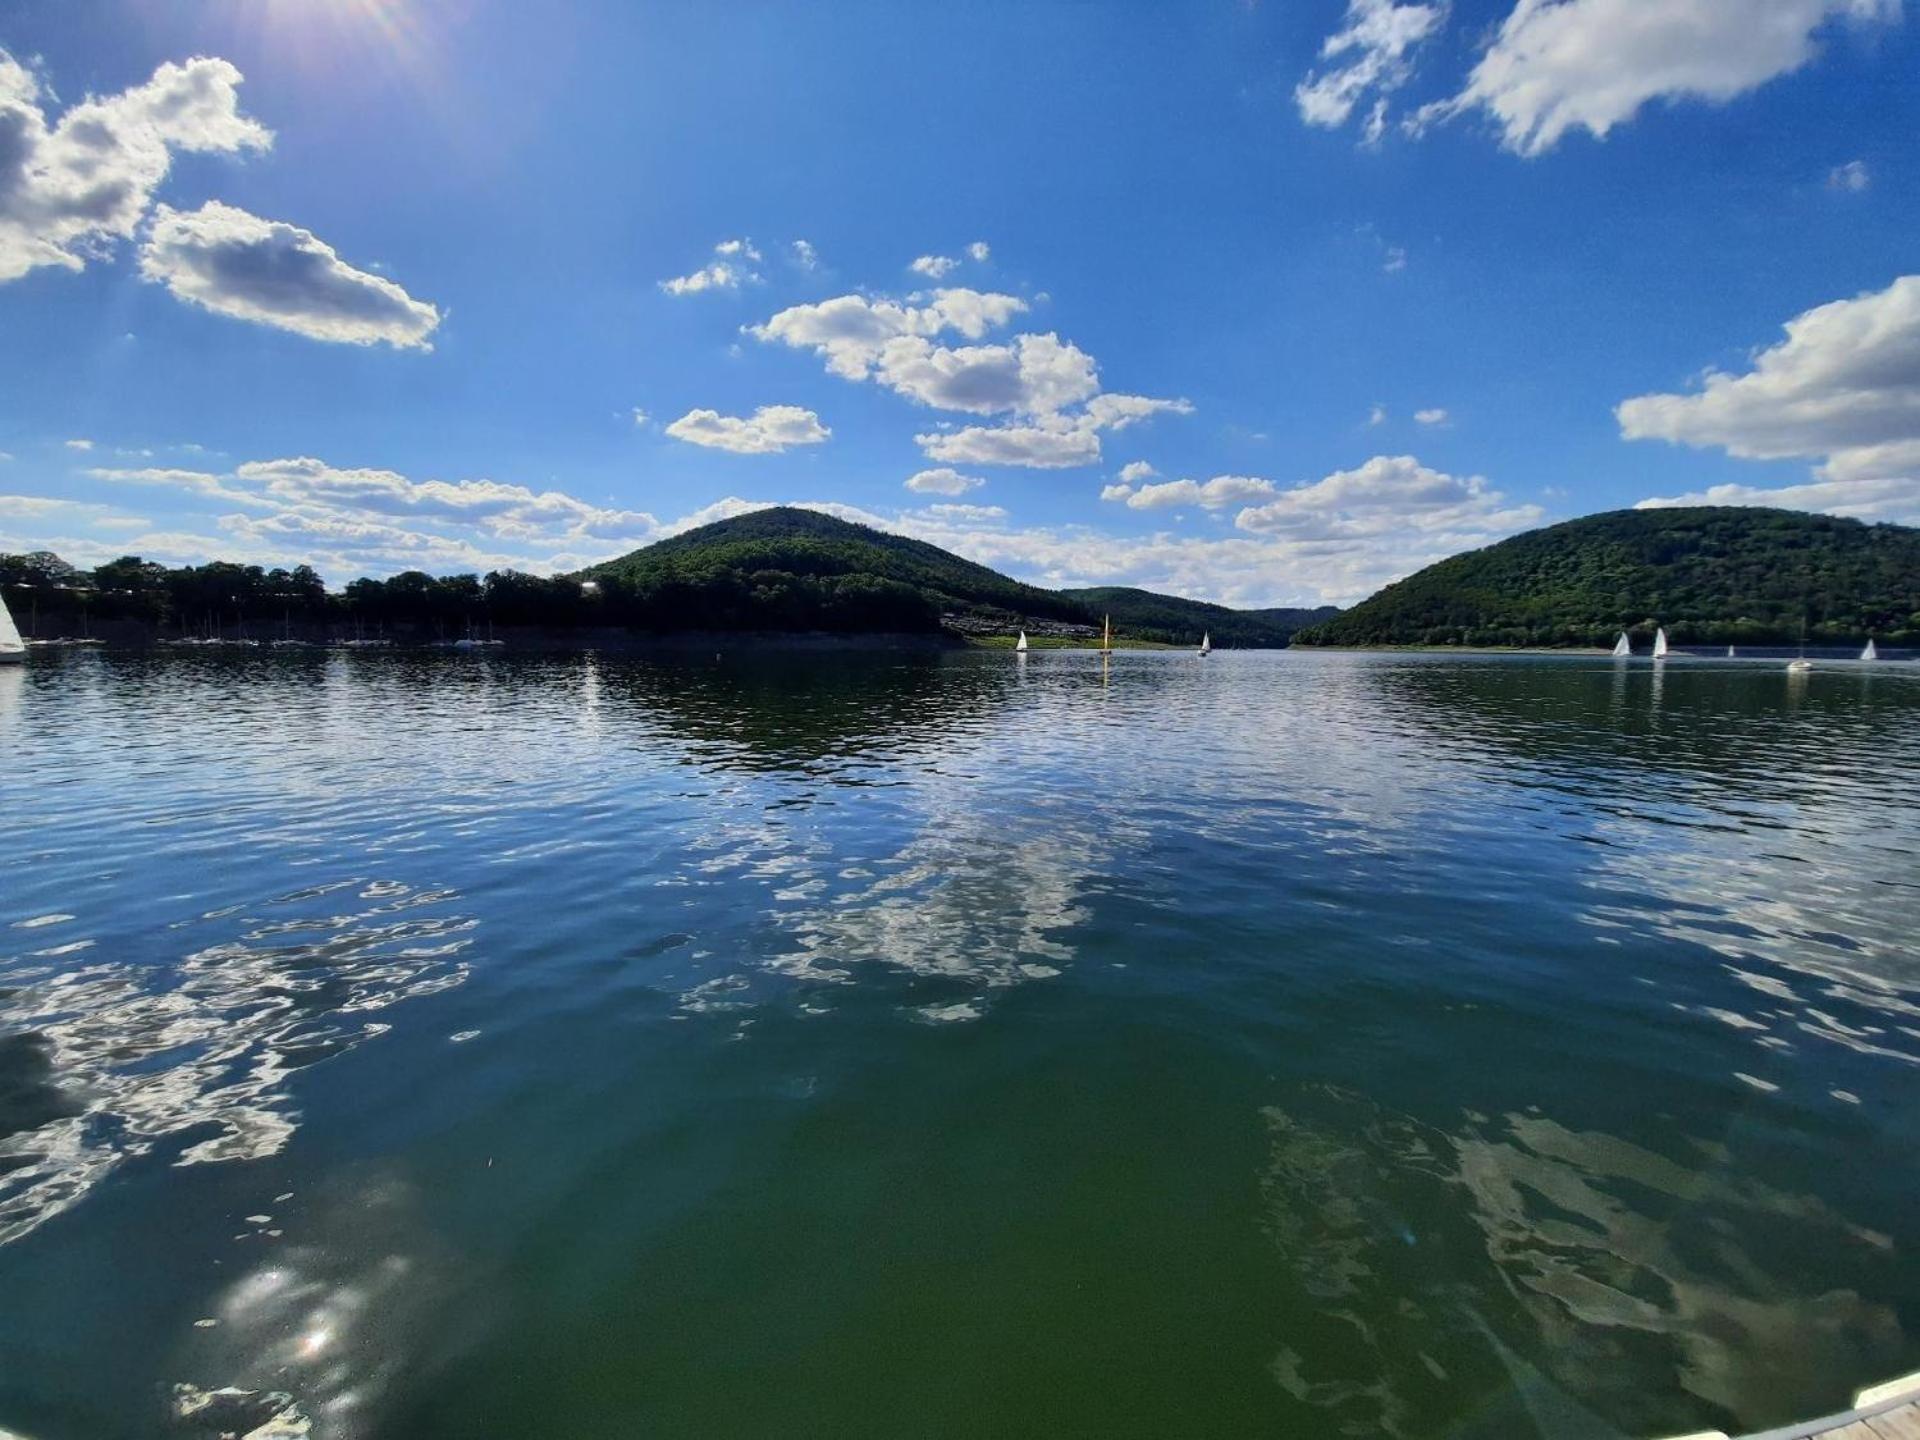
[(12, 648)]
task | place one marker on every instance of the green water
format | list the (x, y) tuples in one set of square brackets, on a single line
[(1277, 1045)]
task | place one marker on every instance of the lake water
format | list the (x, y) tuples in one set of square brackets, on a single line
[(1280, 1044)]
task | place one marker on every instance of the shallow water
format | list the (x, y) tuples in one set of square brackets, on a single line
[(1281, 1044)]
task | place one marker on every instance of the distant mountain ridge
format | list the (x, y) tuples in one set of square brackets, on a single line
[(784, 569), (1142, 612), (1709, 574)]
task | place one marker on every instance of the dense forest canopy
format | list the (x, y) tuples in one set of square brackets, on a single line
[(788, 569), (1709, 574), (779, 570)]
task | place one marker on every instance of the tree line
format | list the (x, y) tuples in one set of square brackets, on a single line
[(222, 597)]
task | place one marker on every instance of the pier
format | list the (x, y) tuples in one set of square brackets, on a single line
[(1880, 1412)]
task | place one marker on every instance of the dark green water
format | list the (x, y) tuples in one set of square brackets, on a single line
[(1277, 1045)]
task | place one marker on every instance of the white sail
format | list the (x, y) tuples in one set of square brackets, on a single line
[(1872, 652), (1660, 644), (1729, 652), (1622, 647), (12, 647), (1206, 642), (1021, 643)]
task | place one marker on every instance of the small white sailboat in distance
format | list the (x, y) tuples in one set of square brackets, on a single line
[(1872, 652), (1660, 644), (1622, 647), (1206, 644), (12, 648), (1020, 645), (1106, 635), (1729, 652), (1801, 665)]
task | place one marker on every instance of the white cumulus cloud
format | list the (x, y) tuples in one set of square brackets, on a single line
[(768, 431), (1048, 442), (980, 251), (718, 275), (273, 273), (1392, 498), (934, 267), (70, 189), (1033, 447), (1034, 374), (732, 268), (1842, 388), (1048, 386), (348, 520), (1853, 176), (942, 481), (850, 332), (1434, 416), (1220, 491), (1374, 53), (1562, 65)]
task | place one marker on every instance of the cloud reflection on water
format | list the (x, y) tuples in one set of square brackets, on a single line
[(122, 1058)]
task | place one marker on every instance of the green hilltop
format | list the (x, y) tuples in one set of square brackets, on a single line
[(786, 569), (1709, 574)]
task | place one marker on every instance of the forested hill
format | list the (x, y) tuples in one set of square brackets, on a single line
[(1709, 574), (791, 569), (1148, 616), (776, 570)]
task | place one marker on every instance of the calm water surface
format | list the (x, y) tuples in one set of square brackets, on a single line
[(1280, 1045)]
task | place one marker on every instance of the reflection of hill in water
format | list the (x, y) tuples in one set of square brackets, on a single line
[(805, 713), (1726, 723), (1724, 808)]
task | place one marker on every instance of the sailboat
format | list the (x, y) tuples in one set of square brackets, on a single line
[(12, 648), (1206, 644), (1801, 665), (1660, 644), (1872, 652), (1729, 652), (1106, 636), (1622, 647), (1020, 645)]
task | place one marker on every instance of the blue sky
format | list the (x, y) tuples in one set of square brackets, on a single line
[(381, 284)]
